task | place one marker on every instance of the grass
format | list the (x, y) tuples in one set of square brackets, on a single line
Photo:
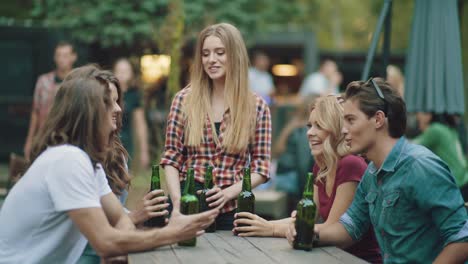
[(3, 174), (140, 186)]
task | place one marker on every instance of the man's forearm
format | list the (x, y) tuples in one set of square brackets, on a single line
[(125, 223), (121, 242), (31, 132), (108, 241), (32, 125), (335, 235), (453, 253)]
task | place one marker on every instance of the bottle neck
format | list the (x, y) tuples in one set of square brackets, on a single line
[(246, 183), (309, 187), (209, 178), (155, 179), (308, 195), (189, 183)]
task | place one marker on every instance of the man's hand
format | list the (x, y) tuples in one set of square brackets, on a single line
[(188, 226)]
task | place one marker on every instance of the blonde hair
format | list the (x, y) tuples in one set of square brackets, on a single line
[(328, 114), (240, 100)]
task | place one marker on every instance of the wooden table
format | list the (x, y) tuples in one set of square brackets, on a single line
[(223, 247)]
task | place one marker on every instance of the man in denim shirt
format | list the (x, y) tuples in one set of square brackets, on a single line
[(407, 193)]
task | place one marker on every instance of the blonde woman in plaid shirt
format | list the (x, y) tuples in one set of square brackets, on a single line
[(216, 120)]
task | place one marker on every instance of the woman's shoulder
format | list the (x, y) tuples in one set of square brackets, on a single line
[(351, 160), (181, 95), (184, 92), (260, 103), (352, 165)]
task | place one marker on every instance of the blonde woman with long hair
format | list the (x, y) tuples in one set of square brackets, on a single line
[(337, 177), (216, 120)]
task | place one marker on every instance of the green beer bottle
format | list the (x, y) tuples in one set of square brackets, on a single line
[(202, 197), (189, 204), (158, 221), (305, 218), (246, 198)]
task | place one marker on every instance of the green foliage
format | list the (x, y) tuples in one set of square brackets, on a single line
[(339, 25), (110, 22), (117, 22)]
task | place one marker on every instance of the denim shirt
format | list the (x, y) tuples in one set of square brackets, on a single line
[(413, 203)]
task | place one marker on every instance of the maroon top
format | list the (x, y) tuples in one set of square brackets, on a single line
[(350, 169)]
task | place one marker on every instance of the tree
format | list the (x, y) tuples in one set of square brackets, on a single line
[(339, 25), (170, 24)]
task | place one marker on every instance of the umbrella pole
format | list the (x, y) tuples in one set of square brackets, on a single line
[(386, 41), (375, 38)]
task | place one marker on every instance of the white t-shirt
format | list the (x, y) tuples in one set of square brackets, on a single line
[(34, 224), (261, 82), (315, 84)]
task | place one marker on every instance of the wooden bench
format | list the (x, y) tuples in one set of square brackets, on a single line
[(17, 166), (271, 203)]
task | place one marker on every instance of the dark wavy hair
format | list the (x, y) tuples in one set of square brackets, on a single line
[(76, 117), (115, 158), (115, 165)]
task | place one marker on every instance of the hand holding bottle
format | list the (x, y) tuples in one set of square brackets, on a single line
[(247, 224), (153, 204), (216, 198), (186, 227), (291, 233)]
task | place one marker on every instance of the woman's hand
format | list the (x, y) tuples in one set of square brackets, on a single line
[(216, 198), (256, 226), (291, 233), (151, 205)]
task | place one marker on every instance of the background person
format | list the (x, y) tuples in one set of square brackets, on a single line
[(260, 79), (133, 116), (292, 152), (46, 88), (439, 134), (323, 82)]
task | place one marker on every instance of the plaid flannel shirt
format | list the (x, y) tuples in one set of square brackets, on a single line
[(227, 166), (44, 95)]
